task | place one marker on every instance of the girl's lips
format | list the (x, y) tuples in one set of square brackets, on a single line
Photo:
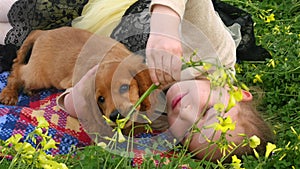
[(177, 99)]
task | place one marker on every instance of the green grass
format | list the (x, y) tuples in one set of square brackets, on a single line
[(280, 81), (280, 91)]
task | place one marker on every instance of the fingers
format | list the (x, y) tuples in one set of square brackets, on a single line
[(163, 60), (160, 68), (151, 64), (164, 69)]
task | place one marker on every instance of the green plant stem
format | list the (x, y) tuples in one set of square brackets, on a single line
[(141, 99), (120, 162)]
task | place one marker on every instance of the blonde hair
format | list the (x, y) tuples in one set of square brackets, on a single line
[(254, 124)]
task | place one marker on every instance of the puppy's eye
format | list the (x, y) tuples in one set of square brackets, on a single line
[(101, 99), (124, 88)]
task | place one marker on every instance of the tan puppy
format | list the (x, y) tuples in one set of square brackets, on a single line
[(59, 59)]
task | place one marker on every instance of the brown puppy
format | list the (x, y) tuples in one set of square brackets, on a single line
[(59, 59)]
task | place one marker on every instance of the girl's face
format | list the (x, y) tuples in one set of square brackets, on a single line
[(188, 99), (187, 102), (191, 101)]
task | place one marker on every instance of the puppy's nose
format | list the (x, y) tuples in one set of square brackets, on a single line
[(115, 115)]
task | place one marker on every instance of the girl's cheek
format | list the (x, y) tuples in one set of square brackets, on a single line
[(188, 113), (181, 121)]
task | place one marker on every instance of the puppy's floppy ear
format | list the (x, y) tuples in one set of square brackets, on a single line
[(144, 82), (140, 73)]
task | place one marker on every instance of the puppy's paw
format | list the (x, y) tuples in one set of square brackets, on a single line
[(9, 97)]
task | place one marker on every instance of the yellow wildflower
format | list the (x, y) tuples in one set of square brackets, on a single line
[(38, 131), (107, 120), (276, 29), (121, 137), (148, 129), (231, 102), (271, 63), (257, 78), (50, 144), (238, 68), (43, 157), (45, 161), (27, 157), (254, 141), (293, 130), (14, 139), (224, 124), (102, 144), (219, 107), (270, 18), (269, 148), (223, 148), (146, 118), (110, 139), (25, 148), (121, 122), (238, 95), (42, 122), (256, 154), (218, 78), (206, 66), (236, 163), (244, 86)]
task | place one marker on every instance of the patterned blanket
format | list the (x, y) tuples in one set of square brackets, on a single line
[(63, 128), (22, 119)]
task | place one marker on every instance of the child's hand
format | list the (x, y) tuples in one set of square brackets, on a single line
[(164, 47), (163, 59)]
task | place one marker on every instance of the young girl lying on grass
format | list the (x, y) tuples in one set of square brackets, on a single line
[(195, 105)]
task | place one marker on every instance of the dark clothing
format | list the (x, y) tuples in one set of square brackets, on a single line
[(28, 15)]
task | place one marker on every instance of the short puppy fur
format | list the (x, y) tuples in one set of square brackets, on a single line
[(54, 55)]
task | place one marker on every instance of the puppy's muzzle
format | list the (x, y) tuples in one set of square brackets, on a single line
[(115, 115)]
